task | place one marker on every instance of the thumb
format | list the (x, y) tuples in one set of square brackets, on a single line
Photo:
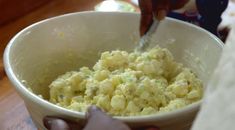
[(98, 120), (95, 112), (52, 123), (160, 8), (56, 123)]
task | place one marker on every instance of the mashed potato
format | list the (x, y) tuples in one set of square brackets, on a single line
[(128, 84)]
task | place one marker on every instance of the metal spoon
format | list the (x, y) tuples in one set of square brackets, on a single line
[(145, 40)]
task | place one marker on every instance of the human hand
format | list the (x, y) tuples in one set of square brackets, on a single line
[(157, 9), (96, 120)]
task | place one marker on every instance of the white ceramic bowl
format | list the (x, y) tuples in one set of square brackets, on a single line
[(44, 50)]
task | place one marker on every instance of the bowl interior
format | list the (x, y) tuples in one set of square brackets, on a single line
[(41, 52)]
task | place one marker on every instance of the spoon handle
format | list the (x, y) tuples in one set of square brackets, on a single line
[(145, 40)]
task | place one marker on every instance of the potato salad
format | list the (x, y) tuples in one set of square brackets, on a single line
[(129, 84)]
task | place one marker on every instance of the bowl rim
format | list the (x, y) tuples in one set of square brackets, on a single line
[(25, 93)]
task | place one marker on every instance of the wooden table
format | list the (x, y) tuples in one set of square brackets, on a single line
[(13, 114)]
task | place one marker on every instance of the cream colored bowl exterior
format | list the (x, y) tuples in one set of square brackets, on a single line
[(42, 51)]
